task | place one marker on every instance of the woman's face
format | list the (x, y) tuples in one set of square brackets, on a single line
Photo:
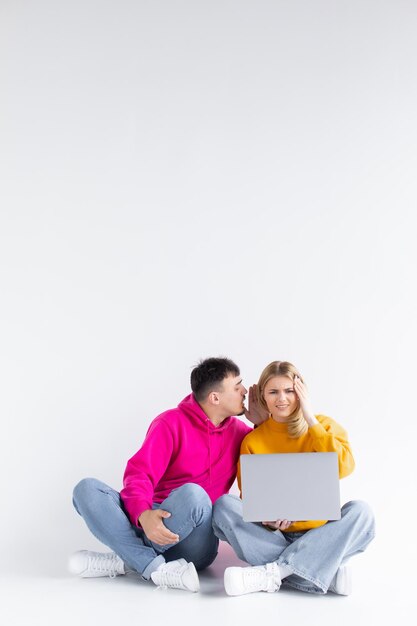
[(280, 397)]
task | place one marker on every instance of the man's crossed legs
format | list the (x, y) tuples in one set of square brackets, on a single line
[(172, 565)]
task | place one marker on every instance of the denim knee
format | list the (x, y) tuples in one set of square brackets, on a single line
[(194, 494), (223, 507), (363, 512), (83, 489)]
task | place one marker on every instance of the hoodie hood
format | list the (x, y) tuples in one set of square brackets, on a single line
[(190, 407)]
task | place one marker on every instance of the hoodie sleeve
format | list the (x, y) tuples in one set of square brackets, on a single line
[(329, 436), (145, 469)]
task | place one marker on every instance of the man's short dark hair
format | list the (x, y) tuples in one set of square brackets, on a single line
[(208, 375)]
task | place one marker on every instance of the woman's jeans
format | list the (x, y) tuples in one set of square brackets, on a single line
[(314, 556), (191, 517)]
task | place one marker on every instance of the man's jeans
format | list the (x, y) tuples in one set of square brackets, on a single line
[(314, 556), (191, 516)]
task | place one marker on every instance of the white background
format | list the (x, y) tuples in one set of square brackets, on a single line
[(183, 179)]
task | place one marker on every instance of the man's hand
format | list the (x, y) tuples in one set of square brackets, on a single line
[(155, 529), (279, 524), (255, 413)]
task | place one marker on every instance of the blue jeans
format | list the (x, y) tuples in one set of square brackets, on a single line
[(314, 556), (102, 510)]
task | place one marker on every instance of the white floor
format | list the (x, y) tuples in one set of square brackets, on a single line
[(128, 600)]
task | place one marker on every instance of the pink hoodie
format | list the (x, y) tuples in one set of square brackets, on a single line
[(182, 446)]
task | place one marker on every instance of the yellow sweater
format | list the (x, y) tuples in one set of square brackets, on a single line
[(326, 436)]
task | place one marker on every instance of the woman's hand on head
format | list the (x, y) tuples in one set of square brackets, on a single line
[(255, 413), (279, 524), (304, 398)]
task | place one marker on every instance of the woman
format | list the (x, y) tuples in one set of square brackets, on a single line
[(308, 555)]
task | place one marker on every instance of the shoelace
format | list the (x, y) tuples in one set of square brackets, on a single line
[(171, 578), (104, 563), (267, 579), (273, 581)]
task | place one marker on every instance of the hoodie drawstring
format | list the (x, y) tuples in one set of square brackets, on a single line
[(209, 449)]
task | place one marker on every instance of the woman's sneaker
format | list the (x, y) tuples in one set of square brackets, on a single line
[(240, 580), (342, 582), (95, 564), (176, 575)]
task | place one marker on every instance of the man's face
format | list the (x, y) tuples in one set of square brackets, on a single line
[(232, 396)]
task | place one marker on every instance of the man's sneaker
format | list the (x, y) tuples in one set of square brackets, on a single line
[(240, 580), (342, 582), (177, 575), (94, 564)]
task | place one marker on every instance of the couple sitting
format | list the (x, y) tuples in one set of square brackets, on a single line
[(167, 521)]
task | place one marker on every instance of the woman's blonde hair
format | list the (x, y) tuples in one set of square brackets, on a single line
[(296, 423)]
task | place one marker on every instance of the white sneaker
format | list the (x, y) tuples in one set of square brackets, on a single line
[(94, 564), (240, 580), (177, 575), (342, 582)]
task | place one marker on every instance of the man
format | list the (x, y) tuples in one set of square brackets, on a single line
[(160, 523)]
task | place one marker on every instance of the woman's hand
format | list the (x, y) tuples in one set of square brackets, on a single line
[(255, 413), (279, 524), (302, 394)]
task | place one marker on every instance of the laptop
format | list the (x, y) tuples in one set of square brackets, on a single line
[(294, 486)]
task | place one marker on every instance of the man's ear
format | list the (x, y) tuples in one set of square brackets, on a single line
[(213, 398)]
